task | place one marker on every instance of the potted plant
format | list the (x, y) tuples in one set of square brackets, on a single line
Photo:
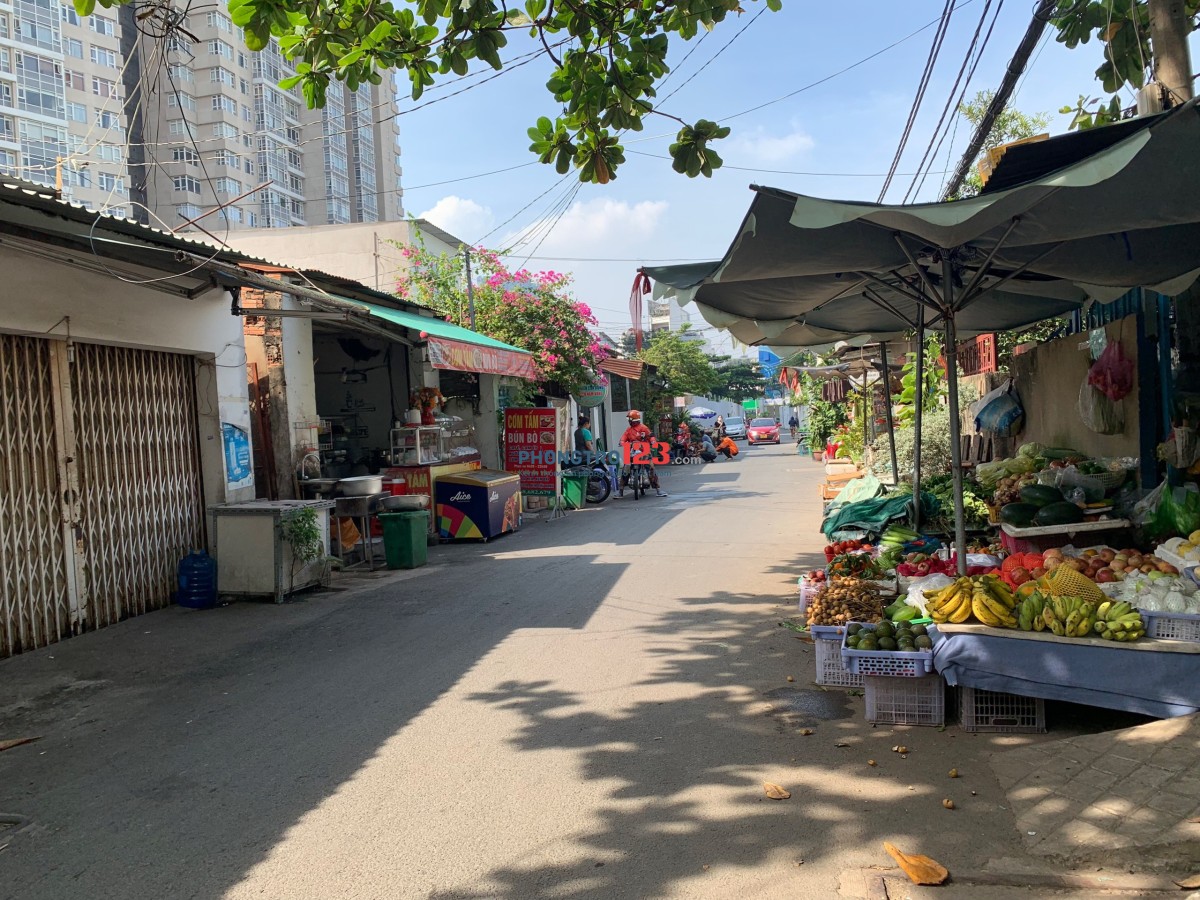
[(816, 443)]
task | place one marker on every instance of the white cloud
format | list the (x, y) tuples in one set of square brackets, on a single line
[(463, 218), (760, 146), (591, 228)]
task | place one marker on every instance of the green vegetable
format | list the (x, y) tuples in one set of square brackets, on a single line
[(1041, 494), (1058, 514)]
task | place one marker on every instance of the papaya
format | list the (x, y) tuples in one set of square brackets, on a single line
[(1041, 494), (1061, 513), (1018, 515)]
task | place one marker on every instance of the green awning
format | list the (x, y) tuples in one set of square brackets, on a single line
[(454, 347)]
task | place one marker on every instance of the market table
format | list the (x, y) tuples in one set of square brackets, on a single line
[(1024, 540), (1154, 677)]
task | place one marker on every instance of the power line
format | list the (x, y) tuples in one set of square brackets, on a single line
[(842, 71), (1016, 67), (931, 59), (942, 126)]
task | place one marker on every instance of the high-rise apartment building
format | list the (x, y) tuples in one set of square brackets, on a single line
[(167, 128)]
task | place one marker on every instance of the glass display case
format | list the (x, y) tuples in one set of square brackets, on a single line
[(419, 445), (459, 435)]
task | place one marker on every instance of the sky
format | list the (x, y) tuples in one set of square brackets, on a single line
[(836, 139)]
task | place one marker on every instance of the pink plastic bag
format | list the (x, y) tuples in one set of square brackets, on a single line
[(1112, 373)]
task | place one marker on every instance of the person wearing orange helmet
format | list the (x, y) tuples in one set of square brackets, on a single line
[(637, 433)]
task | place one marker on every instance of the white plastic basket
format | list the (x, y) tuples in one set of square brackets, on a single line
[(1171, 626), (891, 663), (830, 670), (980, 710), (906, 701)]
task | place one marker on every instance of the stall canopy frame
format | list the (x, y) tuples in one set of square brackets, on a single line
[(1127, 215)]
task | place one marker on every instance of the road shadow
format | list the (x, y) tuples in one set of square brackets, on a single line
[(682, 779), (178, 748)]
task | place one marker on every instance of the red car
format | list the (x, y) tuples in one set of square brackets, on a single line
[(763, 431)]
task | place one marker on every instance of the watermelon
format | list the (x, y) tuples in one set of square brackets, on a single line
[(1041, 494), (1062, 513), (1018, 515)]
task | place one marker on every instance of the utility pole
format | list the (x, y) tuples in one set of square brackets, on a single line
[(1169, 29), (470, 289)]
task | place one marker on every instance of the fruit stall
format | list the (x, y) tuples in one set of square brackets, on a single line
[(1076, 575)]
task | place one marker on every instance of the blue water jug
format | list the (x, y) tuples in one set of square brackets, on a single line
[(197, 581)]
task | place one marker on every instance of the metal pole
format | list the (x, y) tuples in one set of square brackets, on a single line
[(918, 410), (960, 524), (887, 406), (470, 290)]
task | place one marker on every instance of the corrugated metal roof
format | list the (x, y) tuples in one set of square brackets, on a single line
[(1028, 162), (626, 368)]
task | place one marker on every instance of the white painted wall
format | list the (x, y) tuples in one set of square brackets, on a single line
[(102, 309), (363, 252)]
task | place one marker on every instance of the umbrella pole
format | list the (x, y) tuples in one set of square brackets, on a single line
[(887, 405), (918, 409), (960, 524)]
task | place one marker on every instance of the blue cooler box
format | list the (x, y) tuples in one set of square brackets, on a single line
[(477, 505)]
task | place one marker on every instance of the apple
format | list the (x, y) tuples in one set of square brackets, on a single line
[(1107, 555), (1106, 576), (1147, 569), (1089, 553), (1120, 576), (1135, 560), (1077, 564), (1053, 553), (1167, 568)]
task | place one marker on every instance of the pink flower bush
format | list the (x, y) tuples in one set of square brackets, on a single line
[(531, 310)]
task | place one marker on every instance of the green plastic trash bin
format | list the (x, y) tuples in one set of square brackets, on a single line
[(404, 538), (574, 490)]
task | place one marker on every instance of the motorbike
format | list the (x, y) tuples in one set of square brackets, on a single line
[(600, 482), (639, 479)]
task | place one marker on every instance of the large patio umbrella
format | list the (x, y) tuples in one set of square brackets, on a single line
[(1124, 216)]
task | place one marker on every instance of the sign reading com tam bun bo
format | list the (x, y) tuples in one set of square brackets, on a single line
[(463, 357)]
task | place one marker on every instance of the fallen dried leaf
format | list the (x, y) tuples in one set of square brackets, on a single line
[(1194, 820), (919, 869), (790, 678), (871, 762), (806, 731), (775, 792), (16, 742), (1190, 884), (954, 773), (948, 803)]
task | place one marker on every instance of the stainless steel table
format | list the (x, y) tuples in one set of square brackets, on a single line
[(360, 511)]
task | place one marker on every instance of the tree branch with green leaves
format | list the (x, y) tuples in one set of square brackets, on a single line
[(607, 56)]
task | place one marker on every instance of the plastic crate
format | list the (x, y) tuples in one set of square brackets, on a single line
[(1171, 626), (830, 670), (906, 701), (827, 632), (980, 710), (888, 663)]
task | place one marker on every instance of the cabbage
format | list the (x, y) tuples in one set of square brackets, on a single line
[(1031, 449)]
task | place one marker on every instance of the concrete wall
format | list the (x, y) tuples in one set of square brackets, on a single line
[(363, 252), (102, 309), (1048, 379)]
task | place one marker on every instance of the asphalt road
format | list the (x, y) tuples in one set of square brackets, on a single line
[(585, 709)]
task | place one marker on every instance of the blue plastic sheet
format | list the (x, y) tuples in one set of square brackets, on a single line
[(1092, 672)]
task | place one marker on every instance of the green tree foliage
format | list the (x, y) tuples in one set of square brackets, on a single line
[(933, 377), (681, 363), (530, 310), (738, 380), (1122, 29), (1011, 125), (606, 59)]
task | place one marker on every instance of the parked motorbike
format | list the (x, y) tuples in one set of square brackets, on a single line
[(600, 482)]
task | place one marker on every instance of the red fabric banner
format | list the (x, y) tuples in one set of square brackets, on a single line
[(463, 357)]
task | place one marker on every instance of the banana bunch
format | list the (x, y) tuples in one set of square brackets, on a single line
[(1118, 621), (986, 597), (1029, 613), (952, 603), (993, 602), (1069, 616)]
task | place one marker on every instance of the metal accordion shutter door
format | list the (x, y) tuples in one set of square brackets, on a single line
[(141, 506), (35, 593)]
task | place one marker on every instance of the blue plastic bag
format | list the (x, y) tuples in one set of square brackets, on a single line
[(1000, 412)]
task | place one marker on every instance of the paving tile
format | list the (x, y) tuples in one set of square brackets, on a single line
[(1115, 765), (1085, 835), (1174, 804)]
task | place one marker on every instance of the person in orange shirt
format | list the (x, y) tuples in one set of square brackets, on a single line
[(638, 433), (728, 447)]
